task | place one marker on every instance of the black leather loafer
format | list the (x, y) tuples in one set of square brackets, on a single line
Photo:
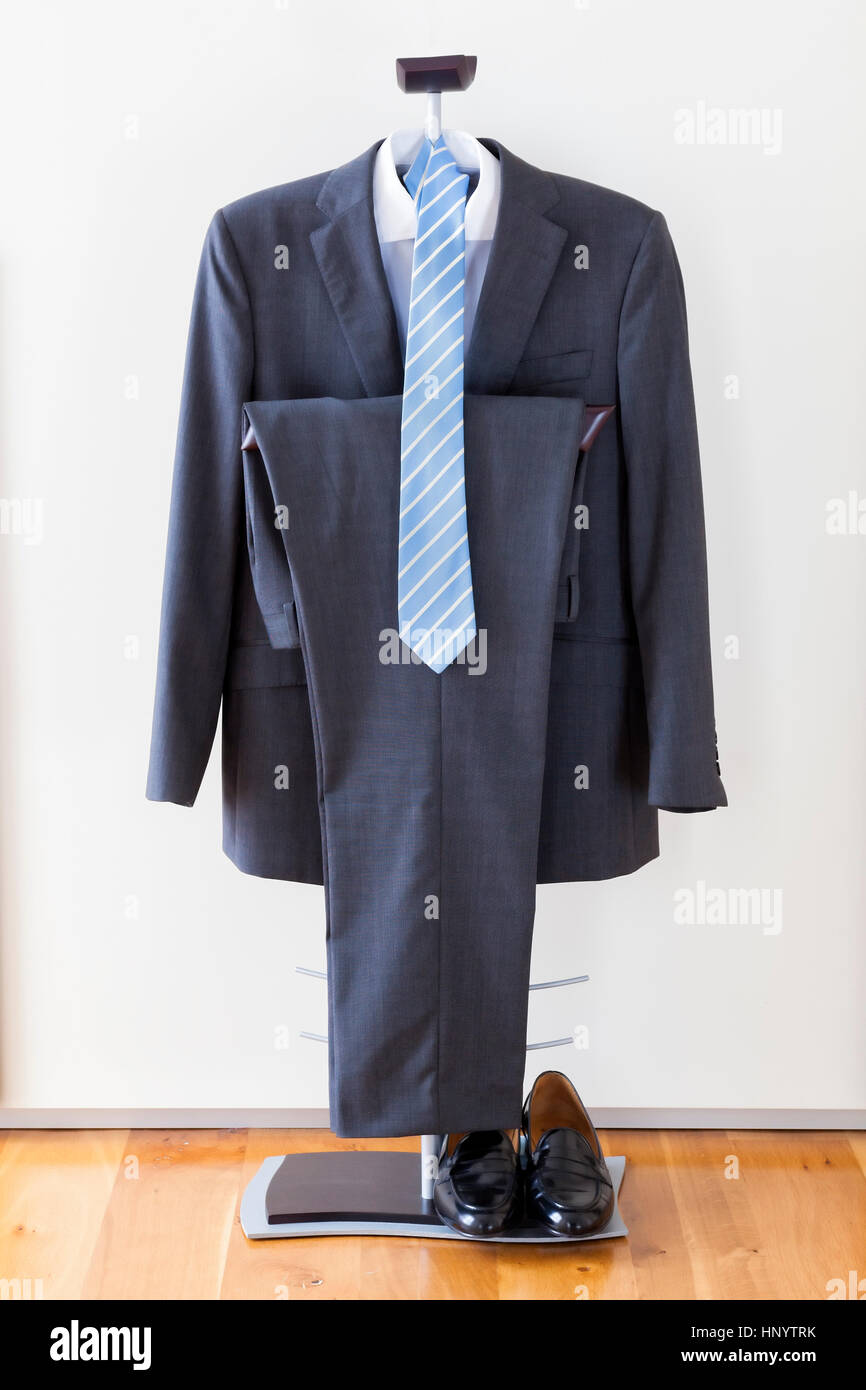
[(477, 1189), (567, 1184)]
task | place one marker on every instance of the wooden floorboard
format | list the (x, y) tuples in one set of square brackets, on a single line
[(154, 1214)]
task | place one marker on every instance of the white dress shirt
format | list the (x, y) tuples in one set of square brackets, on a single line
[(396, 221)]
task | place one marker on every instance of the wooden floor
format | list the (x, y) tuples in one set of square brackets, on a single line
[(154, 1214)]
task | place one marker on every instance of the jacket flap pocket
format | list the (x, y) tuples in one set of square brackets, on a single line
[(559, 366), (257, 665), (595, 661)]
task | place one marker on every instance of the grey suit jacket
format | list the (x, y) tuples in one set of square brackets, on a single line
[(291, 302)]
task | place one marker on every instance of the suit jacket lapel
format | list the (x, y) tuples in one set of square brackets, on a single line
[(347, 251), (525, 252)]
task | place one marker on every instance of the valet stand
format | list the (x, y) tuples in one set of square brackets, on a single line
[(381, 1192), (377, 1192)]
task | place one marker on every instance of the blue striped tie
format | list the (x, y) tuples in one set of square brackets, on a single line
[(434, 579)]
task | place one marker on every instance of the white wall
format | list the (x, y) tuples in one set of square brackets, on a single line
[(130, 945)]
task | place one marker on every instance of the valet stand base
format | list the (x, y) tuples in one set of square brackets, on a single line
[(364, 1193)]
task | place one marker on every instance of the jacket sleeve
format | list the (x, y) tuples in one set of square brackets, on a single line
[(667, 545), (205, 524)]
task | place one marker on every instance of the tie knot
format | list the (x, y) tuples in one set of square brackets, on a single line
[(433, 168)]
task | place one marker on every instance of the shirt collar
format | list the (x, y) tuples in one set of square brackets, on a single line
[(393, 207)]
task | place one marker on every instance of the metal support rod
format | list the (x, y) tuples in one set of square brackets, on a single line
[(430, 1146), (433, 124)]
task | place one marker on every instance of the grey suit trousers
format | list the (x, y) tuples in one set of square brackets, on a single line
[(429, 786)]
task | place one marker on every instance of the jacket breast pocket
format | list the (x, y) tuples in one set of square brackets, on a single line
[(553, 374)]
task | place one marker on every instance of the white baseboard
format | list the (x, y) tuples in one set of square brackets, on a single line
[(604, 1118)]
